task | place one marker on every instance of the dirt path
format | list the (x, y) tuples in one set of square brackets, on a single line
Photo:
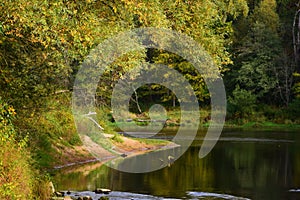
[(91, 151), (96, 150)]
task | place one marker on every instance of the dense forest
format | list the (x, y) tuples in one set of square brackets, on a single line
[(254, 43)]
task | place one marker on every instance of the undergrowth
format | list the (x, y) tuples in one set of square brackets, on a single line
[(19, 179), (51, 128)]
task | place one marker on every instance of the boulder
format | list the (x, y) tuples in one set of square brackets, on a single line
[(85, 198), (102, 191), (103, 198), (59, 194)]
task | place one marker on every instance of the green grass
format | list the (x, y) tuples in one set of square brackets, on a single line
[(269, 117), (173, 119), (264, 126), (152, 141), (117, 138)]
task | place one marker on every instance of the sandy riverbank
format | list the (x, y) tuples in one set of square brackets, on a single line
[(93, 152)]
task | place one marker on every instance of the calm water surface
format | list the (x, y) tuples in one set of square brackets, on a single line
[(243, 165)]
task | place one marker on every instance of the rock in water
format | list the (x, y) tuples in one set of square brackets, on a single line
[(59, 194), (123, 155), (103, 198), (85, 198), (102, 190)]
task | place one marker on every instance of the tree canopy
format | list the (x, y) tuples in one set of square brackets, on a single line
[(43, 43)]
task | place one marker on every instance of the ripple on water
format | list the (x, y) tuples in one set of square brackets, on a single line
[(116, 195), (294, 190), (203, 195)]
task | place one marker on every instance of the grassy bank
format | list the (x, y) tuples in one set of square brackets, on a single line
[(33, 141), (20, 176), (265, 117)]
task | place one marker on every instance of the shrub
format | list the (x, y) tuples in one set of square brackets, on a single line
[(16, 180), (51, 128), (16, 176), (294, 110), (242, 103)]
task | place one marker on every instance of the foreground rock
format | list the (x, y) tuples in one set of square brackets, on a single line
[(85, 198), (72, 198), (102, 191)]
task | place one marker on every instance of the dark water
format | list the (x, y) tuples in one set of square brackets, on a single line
[(243, 165)]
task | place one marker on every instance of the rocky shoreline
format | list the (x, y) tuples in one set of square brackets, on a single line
[(113, 195), (98, 194)]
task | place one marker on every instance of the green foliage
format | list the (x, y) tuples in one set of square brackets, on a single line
[(293, 110), (242, 103), (51, 129), (273, 113), (6, 115), (57, 121), (208, 22), (117, 138), (104, 117), (262, 66), (213, 33), (265, 13), (297, 85), (16, 175), (43, 187), (42, 44)]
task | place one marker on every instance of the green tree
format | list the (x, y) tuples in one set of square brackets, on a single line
[(43, 42), (258, 53), (207, 22)]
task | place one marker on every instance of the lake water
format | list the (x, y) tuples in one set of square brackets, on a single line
[(242, 165)]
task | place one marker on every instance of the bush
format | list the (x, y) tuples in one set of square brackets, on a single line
[(16, 180), (51, 128), (294, 110), (242, 103), (16, 176)]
